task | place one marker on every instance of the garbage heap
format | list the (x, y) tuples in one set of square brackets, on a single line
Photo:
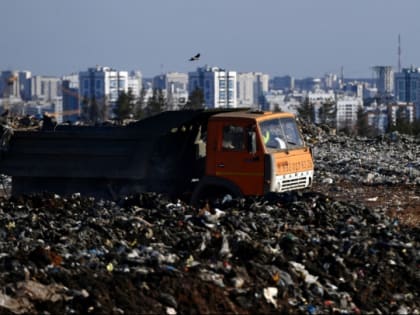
[(391, 159), (296, 253), (382, 173)]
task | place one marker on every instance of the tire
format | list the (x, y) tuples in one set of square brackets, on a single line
[(211, 188)]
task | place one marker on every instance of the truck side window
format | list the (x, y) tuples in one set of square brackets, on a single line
[(233, 138)]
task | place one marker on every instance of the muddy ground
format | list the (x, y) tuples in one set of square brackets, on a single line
[(400, 201)]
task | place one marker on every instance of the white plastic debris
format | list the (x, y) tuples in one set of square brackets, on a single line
[(270, 295)]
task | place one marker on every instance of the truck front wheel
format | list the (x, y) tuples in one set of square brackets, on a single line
[(213, 190)]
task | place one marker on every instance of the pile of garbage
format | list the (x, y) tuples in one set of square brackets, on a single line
[(390, 159), (295, 253), (381, 173)]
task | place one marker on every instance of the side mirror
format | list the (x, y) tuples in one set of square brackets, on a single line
[(252, 142)]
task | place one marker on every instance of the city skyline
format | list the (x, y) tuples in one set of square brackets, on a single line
[(298, 38)]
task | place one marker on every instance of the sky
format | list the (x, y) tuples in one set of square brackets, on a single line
[(300, 38)]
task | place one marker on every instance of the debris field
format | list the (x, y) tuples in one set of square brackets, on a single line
[(333, 249)]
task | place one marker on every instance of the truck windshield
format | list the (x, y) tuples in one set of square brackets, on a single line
[(281, 134)]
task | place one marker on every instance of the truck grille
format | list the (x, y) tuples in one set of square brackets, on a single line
[(294, 183)]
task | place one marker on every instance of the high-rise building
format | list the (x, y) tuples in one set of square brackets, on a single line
[(252, 86), (171, 81), (384, 80), (246, 89), (407, 87), (15, 85), (103, 85), (24, 78), (135, 83), (403, 110), (176, 81), (45, 88), (331, 81), (70, 91), (346, 114), (176, 84), (353, 89), (306, 84), (218, 86), (282, 83), (377, 115)]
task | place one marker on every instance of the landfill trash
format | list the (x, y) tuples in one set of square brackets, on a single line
[(29, 292), (381, 172), (270, 295), (300, 252), (349, 245)]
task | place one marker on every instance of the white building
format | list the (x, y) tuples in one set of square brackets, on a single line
[(331, 81), (252, 86), (347, 108), (176, 81), (73, 80), (45, 88), (318, 96), (274, 101), (103, 84), (176, 84), (384, 79), (377, 116), (219, 86), (407, 111), (135, 83)]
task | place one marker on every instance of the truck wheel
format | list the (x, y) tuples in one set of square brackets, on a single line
[(213, 190)]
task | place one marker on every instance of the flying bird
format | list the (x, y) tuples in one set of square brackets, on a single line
[(196, 57)]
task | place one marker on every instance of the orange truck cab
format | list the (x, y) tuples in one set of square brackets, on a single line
[(254, 153)]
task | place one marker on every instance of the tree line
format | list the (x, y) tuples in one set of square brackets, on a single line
[(129, 107), (327, 117)]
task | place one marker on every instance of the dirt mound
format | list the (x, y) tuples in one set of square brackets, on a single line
[(294, 253)]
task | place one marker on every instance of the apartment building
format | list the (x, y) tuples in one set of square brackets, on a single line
[(176, 86), (45, 88), (71, 97), (252, 86), (407, 87), (134, 82), (219, 86), (285, 83), (15, 85), (346, 113), (102, 84), (377, 115), (384, 80), (403, 110)]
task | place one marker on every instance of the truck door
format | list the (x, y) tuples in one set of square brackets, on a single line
[(235, 161)]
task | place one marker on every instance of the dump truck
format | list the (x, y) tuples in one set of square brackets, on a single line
[(188, 154)]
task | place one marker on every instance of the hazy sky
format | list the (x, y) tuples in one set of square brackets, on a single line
[(278, 37)]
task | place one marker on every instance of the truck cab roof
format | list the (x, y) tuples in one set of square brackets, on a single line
[(250, 114)]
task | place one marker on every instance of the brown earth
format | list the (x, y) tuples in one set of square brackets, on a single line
[(400, 201)]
